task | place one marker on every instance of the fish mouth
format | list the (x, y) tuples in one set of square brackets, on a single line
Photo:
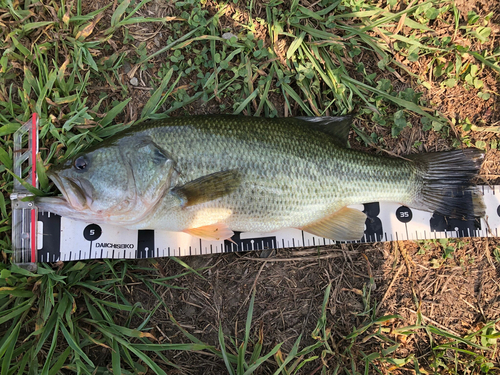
[(74, 191)]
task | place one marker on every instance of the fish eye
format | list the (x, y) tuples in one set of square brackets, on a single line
[(80, 164)]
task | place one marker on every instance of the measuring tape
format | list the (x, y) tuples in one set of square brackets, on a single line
[(46, 237)]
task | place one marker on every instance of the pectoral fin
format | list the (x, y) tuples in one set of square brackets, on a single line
[(208, 188), (214, 232), (347, 224)]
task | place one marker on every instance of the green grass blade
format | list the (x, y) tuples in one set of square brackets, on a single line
[(110, 116), (3, 211), (296, 97), (5, 158), (443, 333), (23, 362), (48, 358), (10, 339), (115, 358), (225, 357), (240, 364), (248, 323), (290, 356), (262, 359), (401, 102), (169, 46), (485, 61), (44, 332), (15, 311), (61, 359), (188, 267), (247, 101), (153, 102), (74, 345), (11, 344), (295, 45), (118, 13)]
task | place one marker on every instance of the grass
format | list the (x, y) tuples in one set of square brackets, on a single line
[(66, 62), (50, 319)]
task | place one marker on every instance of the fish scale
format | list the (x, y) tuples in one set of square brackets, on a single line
[(233, 173), (292, 175)]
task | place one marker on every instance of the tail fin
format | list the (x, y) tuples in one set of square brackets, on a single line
[(447, 183)]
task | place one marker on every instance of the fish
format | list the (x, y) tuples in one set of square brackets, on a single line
[(210, 176)]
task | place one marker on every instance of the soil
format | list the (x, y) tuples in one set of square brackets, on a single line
[(459, 297), (409, 280)]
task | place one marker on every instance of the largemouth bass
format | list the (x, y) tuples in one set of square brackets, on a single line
[(212, 175)]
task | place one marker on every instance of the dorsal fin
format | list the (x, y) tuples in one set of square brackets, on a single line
[(336, 126)]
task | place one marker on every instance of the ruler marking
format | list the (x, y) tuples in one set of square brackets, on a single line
[(70, 237)]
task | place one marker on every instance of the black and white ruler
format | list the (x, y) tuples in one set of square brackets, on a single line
[(46, 237), (62, 239)]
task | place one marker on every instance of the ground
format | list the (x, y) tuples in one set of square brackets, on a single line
[(408, 279), (378, 292)]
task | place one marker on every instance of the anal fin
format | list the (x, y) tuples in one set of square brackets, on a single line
[(213, 232), (347, 224)]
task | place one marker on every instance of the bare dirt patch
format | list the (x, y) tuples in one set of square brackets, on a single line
[(458, 294)]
